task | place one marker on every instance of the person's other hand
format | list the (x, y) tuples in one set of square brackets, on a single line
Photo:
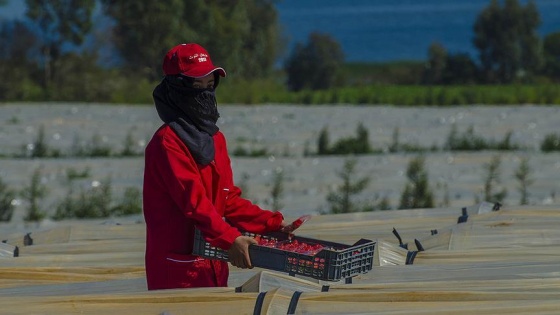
[(239, 252)]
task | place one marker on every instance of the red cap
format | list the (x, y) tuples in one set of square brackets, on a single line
[(191, 60)]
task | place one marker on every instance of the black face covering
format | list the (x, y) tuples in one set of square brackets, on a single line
[(191, 113)]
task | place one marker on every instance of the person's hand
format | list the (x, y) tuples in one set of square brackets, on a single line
[(238, 253)]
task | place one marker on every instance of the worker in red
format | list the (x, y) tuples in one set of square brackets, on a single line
[(188, 180)]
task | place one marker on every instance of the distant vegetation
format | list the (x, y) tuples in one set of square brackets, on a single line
[(46, 58), (551, 143), (43, 57), (95, 147), (351, 145), (97, 202), (417, 192), (85, 198), (456, 140), (7, 196), (345, 198)]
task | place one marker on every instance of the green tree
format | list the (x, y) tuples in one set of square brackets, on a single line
[(507, 41), (444, 68), (459, 69), (523, 176), (15, 61), (353, 145), (61, 23), (128, 146), (341, 200), (492, 179), (7, 196), (551, 142), (551, 51), (323, 142), (242, 36), (144, 41), (362, 139), (94, 202), (467, 141), (97, 147), (34, 194), (131, 203), (40, 147), (315, 65), (395, 145), (417, 192), (437, 58)]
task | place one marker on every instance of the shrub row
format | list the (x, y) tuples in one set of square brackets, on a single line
[(456, 141), (83, 200), (269, 91)]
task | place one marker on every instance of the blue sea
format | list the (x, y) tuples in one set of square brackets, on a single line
[(388, 30), (381, 30)]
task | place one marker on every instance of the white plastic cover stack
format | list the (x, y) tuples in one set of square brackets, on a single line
[(497, 262)]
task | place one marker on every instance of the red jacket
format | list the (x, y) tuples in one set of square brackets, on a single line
[(179, 195)]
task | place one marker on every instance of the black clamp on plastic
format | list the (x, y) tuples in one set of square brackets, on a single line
[(259, 303), (27, 240), (412, 253), (418, 245), (410, 257), (464, 216), (293, 302), (405, 246)]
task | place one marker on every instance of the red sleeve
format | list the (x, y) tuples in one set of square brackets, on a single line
[(249, 217), (182, 178)]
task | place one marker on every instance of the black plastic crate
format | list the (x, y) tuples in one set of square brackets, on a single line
[(336, 261)]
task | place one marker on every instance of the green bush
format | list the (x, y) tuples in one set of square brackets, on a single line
[(72, 174), (524, 178), (350, 145), (551, 142), (91, 203), (252, 152), (469, 141), (315, 65), (7, 196), (34, 194), (129, 146), (342, 200), (417, 192), (131, 203), (97, 202), (492, 179)]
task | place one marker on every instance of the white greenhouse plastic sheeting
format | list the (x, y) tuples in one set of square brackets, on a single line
[(497, 262)]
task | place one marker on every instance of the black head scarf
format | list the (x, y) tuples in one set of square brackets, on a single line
[(191, 113)]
